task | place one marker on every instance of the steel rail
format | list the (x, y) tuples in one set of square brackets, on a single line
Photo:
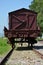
[(4, 60), (41, 55)]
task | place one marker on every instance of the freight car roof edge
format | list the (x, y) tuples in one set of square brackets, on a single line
[(22, 10)]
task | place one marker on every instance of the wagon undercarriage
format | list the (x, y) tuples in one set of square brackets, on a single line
[(30, 41)]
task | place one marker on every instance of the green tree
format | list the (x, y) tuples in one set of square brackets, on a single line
[(37, 6)]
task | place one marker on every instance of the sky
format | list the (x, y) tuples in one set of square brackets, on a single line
[(7, 6)]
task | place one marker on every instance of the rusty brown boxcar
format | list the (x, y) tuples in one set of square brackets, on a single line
[(22, 24)]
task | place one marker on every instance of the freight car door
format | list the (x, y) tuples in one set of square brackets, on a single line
[(32, 22), (18, 21)]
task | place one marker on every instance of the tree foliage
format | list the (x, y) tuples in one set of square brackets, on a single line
[(37, 6)]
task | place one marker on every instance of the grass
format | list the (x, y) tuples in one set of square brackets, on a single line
[(4, 47)]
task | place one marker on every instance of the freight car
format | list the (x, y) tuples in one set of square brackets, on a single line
[(23, 25)]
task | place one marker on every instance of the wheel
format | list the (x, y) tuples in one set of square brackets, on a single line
[(12, 42), (28, 44), (21, 42), (13, 45), (31, 45)]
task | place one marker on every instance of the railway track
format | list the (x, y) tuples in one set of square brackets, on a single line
[(6, 57), (41, 55), (23, 56)]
